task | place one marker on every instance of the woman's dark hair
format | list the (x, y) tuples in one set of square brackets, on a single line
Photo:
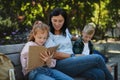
[(57, 12)]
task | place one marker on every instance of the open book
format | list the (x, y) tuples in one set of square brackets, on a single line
[(34, 60)]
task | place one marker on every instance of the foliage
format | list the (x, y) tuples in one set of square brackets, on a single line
[(17, 16)]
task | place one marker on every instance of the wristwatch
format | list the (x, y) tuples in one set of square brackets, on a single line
[(72, 55)]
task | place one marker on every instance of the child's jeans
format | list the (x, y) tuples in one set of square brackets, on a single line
[(103, 56), (45, 73)]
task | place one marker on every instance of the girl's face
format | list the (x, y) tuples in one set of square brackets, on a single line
[(41, 37), (86, 37), (57, 22)]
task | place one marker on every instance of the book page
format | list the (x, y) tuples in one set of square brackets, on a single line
[(34, 60)]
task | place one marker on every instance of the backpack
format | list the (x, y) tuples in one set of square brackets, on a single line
[(6, 68)]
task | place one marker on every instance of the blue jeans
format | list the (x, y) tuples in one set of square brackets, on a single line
[(91, 67), (103, 56), (42, 73)]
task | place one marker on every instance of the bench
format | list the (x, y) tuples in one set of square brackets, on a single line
[(13, 52)]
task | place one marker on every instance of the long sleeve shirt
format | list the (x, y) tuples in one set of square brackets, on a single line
[(24, 57)]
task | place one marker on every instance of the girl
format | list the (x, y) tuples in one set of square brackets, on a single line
[(38, 37)]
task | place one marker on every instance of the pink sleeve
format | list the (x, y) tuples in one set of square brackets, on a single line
[(53, 63), (24, 54)]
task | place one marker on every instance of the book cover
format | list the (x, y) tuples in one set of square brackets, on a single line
[(34, 60)]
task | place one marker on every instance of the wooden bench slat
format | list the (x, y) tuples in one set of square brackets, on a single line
[(6, 49), (15, 58)]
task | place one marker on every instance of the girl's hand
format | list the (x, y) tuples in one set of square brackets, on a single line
[(46, 57)]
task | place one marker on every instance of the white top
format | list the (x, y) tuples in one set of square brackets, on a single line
[(86, 50), (65, 44), (24, 57)]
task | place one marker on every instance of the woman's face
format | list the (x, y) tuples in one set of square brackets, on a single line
[(57, 22)]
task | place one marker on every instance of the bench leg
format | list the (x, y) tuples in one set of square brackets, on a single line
[(116, 72)]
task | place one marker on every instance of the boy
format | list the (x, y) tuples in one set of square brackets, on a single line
[(84, 45)]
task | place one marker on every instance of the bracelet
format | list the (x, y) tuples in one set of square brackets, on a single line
[(72, 55)]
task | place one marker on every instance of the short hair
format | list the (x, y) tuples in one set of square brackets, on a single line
[(89, 28)]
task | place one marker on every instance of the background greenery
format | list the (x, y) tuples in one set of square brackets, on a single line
[(17, 16)]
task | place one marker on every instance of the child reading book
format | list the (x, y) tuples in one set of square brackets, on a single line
[(34, 58), (38, 37)]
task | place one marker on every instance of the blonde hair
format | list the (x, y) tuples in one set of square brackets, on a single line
[(89, 28), (38, 25)]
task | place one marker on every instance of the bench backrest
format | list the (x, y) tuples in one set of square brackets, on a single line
[(13, 52)]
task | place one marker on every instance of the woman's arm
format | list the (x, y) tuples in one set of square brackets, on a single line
[(60, 55)]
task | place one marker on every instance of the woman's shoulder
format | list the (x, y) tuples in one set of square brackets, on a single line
[(51, 34), (68, 33)]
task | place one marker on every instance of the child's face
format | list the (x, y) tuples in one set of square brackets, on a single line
[(86, 37), (40, 38)]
